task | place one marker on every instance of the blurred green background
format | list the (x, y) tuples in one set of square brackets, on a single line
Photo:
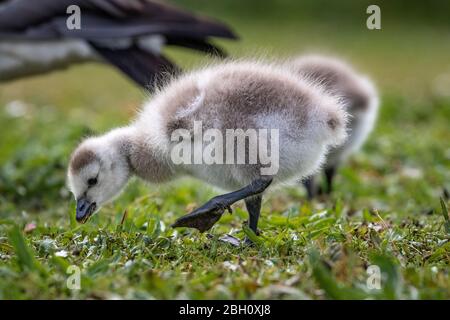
[(402, 171)]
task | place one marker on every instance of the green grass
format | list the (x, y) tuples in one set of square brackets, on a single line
[(386, 210)]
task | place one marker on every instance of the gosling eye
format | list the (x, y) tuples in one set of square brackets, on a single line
[(92, 182)]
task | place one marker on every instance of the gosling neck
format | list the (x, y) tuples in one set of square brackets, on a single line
[(144, 159)]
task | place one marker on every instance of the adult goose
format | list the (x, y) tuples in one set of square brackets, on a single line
[(129, 34)]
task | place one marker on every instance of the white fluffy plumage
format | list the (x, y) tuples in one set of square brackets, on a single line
[(233, 95)]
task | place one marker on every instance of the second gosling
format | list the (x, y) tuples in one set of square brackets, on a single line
[(359, 98)]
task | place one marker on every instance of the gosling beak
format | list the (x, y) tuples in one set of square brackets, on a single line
[(84, 210)]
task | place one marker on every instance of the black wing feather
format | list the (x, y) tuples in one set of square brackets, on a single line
[(143, 67), (196, 44)]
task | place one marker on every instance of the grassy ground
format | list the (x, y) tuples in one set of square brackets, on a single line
[(385, 211)]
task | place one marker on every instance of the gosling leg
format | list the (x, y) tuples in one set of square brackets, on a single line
[(311, 187), (253, 205), (329, 177)]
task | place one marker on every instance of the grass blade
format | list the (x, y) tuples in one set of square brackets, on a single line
[(252, 236), (25, 256), (445, 214)]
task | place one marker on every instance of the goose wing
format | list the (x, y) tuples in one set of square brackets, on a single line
[(145, 68), (106, 19)]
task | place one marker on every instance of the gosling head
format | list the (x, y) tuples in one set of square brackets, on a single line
[(98, 171)]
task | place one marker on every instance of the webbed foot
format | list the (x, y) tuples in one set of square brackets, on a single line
[(205, 217)]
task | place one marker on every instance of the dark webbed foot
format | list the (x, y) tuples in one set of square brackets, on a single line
[(204, 217), (207, 215)]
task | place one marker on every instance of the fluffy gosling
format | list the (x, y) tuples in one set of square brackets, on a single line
[(245, 95), (359, 97)]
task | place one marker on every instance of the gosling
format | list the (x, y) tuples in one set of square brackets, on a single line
[(246, 95), (359, 98)]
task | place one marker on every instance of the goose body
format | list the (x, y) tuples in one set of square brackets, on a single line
[(244, 95), (357, 94), (35, 39), (247, 95)]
